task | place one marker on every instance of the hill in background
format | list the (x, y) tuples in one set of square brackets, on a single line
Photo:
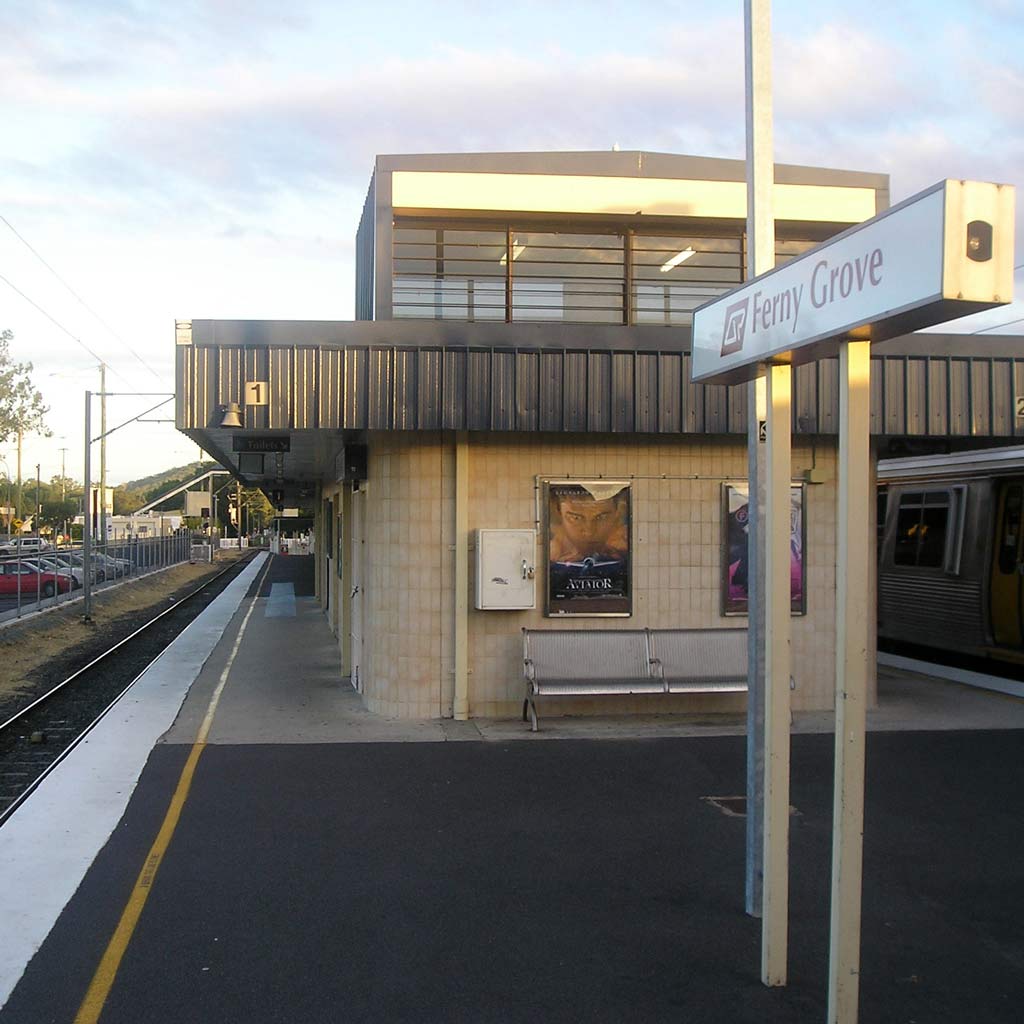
[(132, 495)]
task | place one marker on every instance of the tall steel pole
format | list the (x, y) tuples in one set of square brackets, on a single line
[(63, 485), (103, 454), (760, 257), (87, 518)]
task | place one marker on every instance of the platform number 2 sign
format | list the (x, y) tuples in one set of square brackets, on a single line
[(256, 392), (1020, 407)]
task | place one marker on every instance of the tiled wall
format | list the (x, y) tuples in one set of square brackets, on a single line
[(677, 540)]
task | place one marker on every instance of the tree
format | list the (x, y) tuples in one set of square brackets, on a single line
[(21, 403)]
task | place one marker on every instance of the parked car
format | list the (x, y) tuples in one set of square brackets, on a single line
[(15, 577), (53, 564), (99, 566), (24, 546)]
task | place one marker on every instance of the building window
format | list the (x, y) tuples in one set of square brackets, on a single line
[(922, 525), (506, 271)]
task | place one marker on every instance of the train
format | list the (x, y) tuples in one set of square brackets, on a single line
[(951, 554)]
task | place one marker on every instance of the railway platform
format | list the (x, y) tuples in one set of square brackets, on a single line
[(240, 841)]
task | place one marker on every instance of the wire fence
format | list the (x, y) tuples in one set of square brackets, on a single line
[(34, 576)]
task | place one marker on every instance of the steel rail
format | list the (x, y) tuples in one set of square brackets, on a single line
[(9, 810), (100, 657)]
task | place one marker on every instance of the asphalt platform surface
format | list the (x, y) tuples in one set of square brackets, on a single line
[(554, 881)]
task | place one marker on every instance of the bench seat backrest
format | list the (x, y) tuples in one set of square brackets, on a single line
[(587, 653), (707, 655)]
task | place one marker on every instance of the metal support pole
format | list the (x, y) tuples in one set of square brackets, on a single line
[(775, 906), (103, 457), (461, 702), (39, 556), (760, 258), (852, 601), (87, 518)]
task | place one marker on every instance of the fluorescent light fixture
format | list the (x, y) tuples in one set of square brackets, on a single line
[(680, 257), (517, 250)]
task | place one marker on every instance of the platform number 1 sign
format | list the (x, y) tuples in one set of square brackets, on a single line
[(256, 392)]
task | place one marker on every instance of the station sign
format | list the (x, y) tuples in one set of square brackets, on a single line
[(943, 253), (261, 445)]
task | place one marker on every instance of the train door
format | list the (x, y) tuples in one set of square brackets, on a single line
[(1007, 594)]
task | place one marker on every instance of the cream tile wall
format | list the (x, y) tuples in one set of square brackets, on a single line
[(677, 541)]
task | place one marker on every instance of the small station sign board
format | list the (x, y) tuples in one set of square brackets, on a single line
[(264, 444), (943, 253)]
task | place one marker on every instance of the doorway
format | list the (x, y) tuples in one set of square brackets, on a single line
[(1007, 594)]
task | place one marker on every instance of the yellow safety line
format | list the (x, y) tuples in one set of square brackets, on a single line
[(103, 980)]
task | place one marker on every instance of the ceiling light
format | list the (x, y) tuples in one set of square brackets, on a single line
[(680, 257), (517, 249)]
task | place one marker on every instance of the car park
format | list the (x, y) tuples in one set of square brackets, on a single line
[(53, 564), (24, 546), (23, 578)]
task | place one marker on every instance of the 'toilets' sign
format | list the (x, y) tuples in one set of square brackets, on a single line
[(944, 253)]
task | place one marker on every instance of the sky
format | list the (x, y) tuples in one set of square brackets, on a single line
[(210, 158)]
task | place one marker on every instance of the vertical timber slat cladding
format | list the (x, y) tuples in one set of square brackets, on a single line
[(737, 404), (404, 390), (527, 390), (454, 389), (380, 384), (357, 389), (670, 389), (229, 375), (647, 393), (184, 392), (429, 392), (598, 397), (478, 389), (306, 389), (828, 395), (206, 391), (877, 395), (552, 391), (600, 390), (693, 400), (279, 385), (332, 373), (981, 392), (893, 392), (959, 397), (575, 417), (503, 390), (716, 420), (999, 384), (623, 393), (916, 388), (805, 393)]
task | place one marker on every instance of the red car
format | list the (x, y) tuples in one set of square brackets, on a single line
[(30, 582)]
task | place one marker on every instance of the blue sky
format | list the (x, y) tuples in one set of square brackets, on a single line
[(209, 158)]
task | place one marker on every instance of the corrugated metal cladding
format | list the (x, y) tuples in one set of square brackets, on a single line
[(382, 387)]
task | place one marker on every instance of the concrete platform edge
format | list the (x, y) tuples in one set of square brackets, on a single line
[(47, 846)]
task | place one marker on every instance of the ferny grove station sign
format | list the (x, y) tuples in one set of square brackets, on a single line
[(944, 253)]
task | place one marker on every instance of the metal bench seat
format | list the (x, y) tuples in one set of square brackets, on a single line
[(619, 662)]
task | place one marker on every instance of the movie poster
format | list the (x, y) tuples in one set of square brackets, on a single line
[(589, 568), (734, 560)]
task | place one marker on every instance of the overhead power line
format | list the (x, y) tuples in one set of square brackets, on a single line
[(78, 298), (58, 324)]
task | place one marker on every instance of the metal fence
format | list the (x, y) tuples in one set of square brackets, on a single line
[(32, 580)]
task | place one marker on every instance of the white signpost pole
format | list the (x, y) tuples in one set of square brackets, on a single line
[(760, 258), (852, 603), (944, 253)]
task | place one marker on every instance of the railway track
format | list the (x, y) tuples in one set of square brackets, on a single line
[(42, 733)]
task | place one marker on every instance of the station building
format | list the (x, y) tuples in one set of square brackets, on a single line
[(507, 437)]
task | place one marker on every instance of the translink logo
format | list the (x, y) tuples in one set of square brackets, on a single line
[(735, 326)]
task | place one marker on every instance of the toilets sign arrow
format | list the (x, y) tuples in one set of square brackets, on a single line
[(944, 253)]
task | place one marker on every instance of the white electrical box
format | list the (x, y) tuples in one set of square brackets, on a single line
[(506, 570)]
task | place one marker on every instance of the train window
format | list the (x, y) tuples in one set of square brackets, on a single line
[(1010, 532), (922, 524)]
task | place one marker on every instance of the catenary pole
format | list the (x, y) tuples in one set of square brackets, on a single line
[(87, 518), (103, 456), (760, 257)]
